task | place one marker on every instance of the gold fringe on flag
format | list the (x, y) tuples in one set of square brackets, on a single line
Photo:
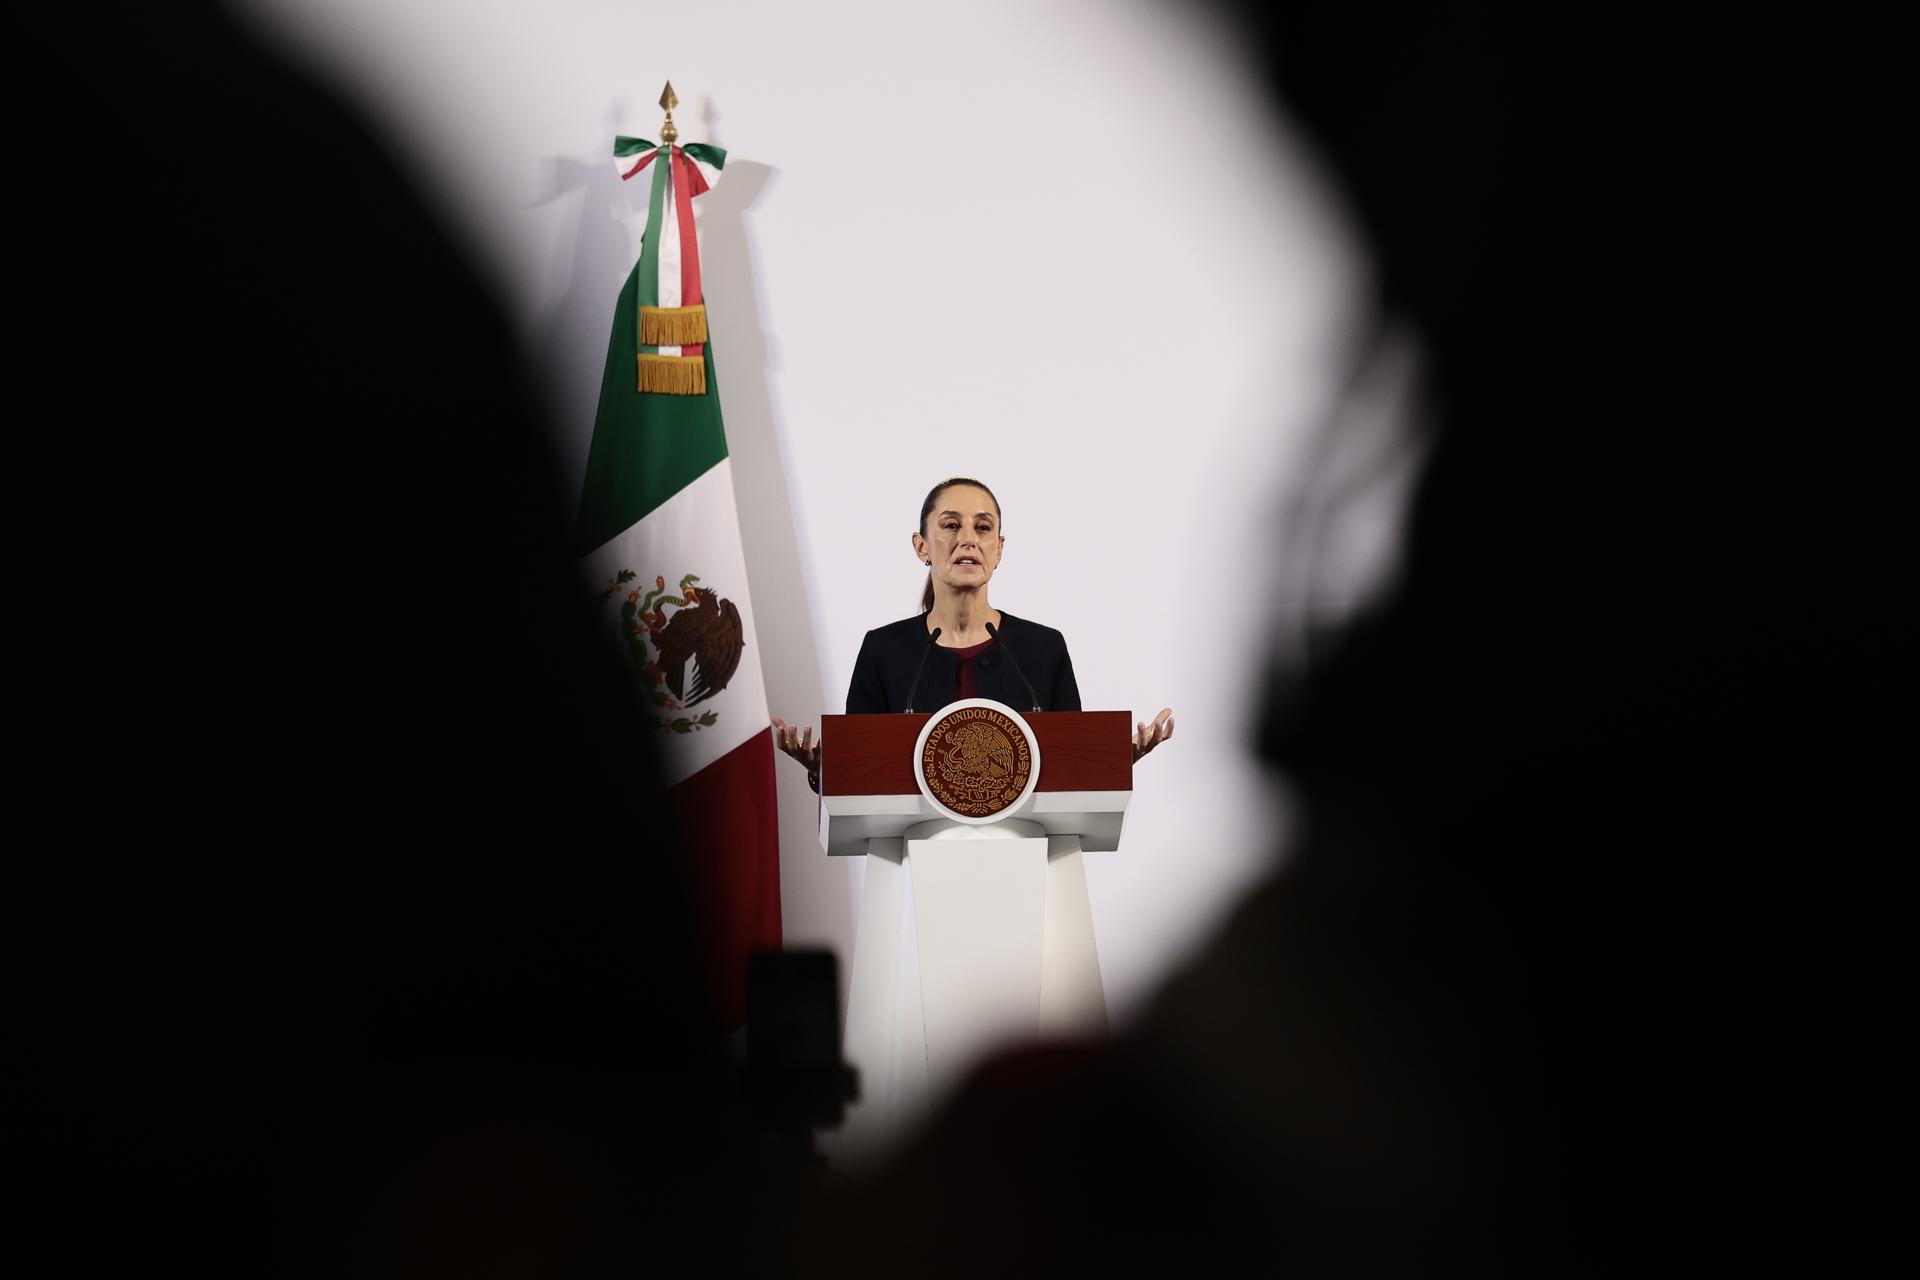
[(673, 326), (673, 375)]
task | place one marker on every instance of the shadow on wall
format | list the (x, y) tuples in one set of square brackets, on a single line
[(816, 892)]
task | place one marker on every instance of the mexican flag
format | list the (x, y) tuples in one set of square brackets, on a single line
[(660, 535)]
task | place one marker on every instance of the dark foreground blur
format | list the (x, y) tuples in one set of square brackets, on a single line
[(343, 936)]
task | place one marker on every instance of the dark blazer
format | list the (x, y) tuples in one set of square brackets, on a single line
[(883, 673)]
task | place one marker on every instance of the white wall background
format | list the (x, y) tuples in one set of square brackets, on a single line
[(1060, 246)]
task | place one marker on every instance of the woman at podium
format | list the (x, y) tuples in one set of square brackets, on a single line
[(959, 645)]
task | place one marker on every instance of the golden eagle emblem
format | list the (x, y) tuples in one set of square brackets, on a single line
[(977, 752), (686, 656), (976, 761)]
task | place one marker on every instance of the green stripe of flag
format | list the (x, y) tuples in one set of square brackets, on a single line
[(646, 448), (650, 242)]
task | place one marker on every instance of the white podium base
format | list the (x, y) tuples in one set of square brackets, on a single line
[(971, 938)]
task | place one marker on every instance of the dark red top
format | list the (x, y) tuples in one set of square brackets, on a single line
[(965, 684)]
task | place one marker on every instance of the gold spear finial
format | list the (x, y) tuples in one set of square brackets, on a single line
[(668, 101)]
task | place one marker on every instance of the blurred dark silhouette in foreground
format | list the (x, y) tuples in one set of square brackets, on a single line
[(345, 935), (1553, 984), (346, 926)]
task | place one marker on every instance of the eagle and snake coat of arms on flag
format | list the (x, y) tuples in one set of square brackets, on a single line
[(686, 657)]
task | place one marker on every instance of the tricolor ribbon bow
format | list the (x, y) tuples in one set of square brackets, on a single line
[(673, 318)]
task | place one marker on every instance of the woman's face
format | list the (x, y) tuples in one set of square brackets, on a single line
[(961, 540)]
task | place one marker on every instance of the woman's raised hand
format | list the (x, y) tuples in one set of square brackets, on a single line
[(1149, 736), (798, 743)]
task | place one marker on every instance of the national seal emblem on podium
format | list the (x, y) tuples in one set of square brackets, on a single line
[(977, 760)]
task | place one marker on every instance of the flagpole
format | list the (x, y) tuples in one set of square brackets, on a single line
[(669, 132)]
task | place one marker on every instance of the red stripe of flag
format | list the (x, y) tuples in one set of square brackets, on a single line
[(731, 824), (688, 183)]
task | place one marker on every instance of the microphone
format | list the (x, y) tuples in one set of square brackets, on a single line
[(1016, 668), (915, 686)]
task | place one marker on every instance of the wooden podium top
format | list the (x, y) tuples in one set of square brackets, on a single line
[(868, 789), (873, 755)]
